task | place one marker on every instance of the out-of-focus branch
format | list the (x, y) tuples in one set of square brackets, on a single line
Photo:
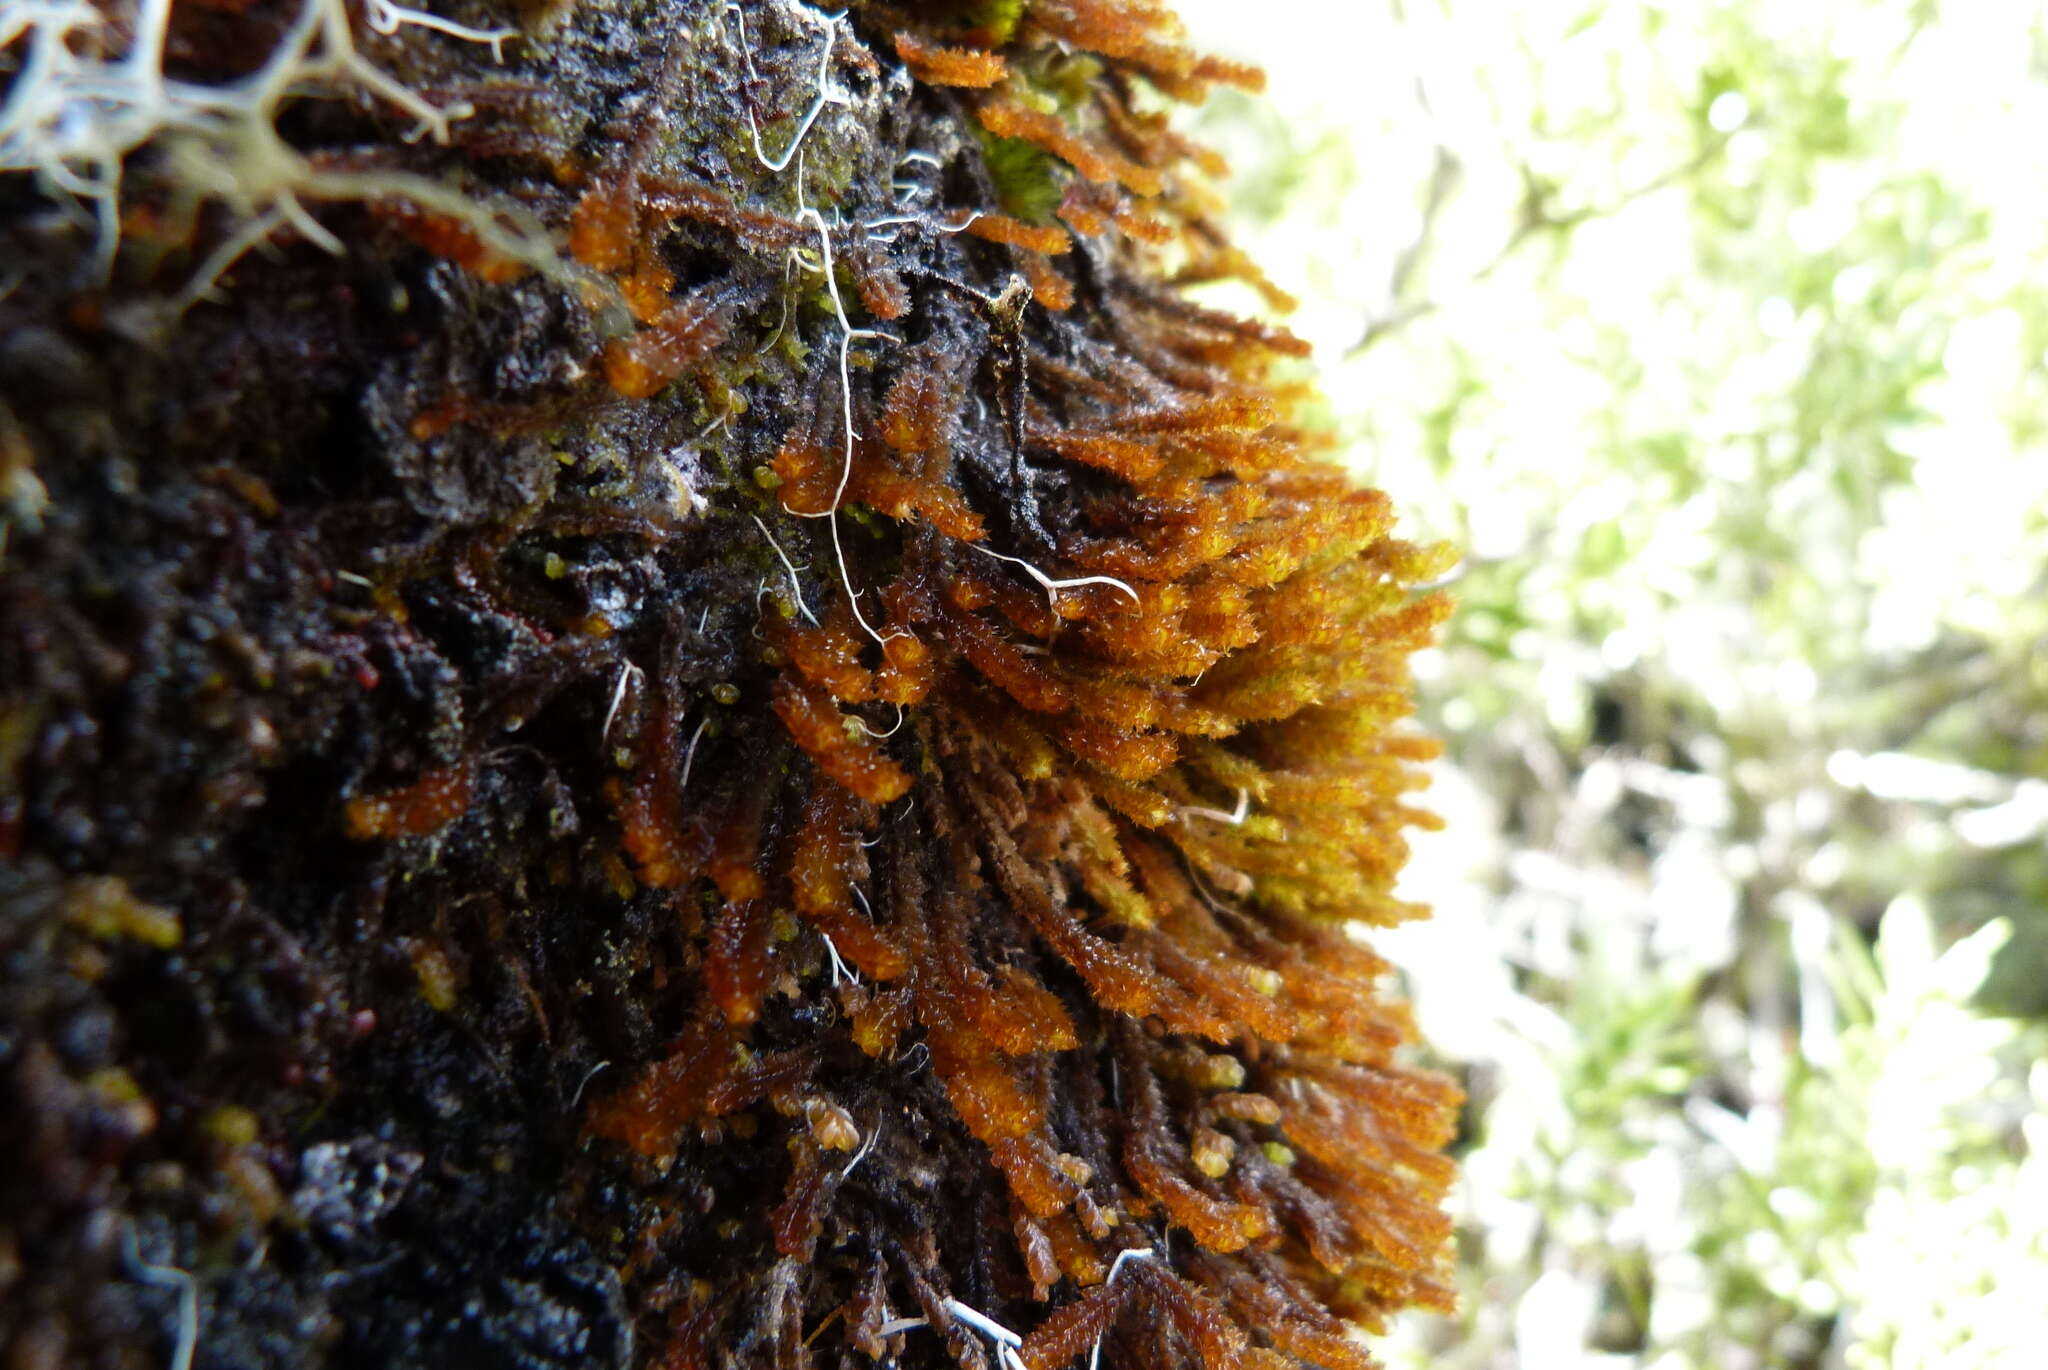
[(1536, 215), (1444, 175)]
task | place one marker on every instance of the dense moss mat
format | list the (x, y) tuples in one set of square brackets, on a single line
[(661, 702)]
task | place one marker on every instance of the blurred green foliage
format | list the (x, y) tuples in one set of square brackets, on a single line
[(1716, 334)]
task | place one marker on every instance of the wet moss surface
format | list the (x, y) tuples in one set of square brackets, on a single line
[(619, 749)]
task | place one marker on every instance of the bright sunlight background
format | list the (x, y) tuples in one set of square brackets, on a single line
[(1715, 333)]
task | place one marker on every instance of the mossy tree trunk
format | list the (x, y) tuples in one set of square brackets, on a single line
[(693, 719)]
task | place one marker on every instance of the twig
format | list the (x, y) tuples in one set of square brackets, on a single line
[(1536, 217)]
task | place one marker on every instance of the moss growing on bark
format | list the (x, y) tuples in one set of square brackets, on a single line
[(644, 724)]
